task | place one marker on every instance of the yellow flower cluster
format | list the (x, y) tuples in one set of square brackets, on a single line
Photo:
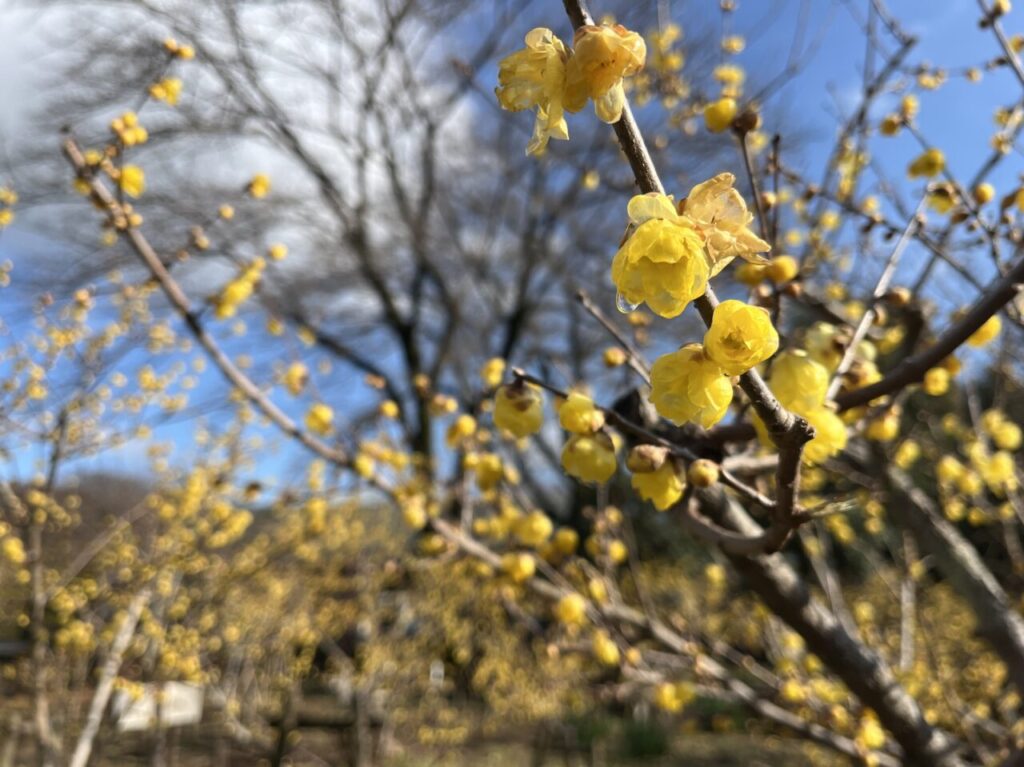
[(554, 79), (128, 129), (167, 90), (237, 291), (589, 454), (692, 383), (8, 197), (176, 49), (801, 383)]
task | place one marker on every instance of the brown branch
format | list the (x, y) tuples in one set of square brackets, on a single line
[(183, 306), (1001, 291), (880, 289), (633, 355)]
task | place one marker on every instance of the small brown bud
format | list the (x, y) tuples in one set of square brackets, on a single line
[(643, 459), (746, 121)]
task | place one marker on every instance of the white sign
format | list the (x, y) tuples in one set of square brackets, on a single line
[(178, 704)]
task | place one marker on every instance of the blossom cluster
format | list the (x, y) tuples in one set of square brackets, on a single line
[(555, 79)]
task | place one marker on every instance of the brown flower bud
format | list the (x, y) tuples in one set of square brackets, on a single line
[(646, 458)]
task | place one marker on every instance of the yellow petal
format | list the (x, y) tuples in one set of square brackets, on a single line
[(644, 207)]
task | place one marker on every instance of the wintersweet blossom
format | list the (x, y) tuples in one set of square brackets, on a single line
[(663, 486), (799, 382), (928, 164), (589, 457), (688, 386), (535, 77), (718, 115), (518, 409), (579, 415), (740, 337), (719, 212), (662, 263), (132, 180), (987, 333), (602, 56)]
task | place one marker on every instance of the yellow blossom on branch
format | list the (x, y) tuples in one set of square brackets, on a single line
[(928, 164), (535, 77), (662, 263), (720, 214), (518, 409), (167, 90), (589, 457), (740, 337), (259, 186), (686, 385), (132, 180), (602, 56), (579, 415), (320, 418)]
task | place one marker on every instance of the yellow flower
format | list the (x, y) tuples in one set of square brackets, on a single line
[(571, 609), (936, 382), (829, 435), (740, 337), (13, 550), (703, 473), (798, 382), (167, 90), (414, 512), (518, 566), (983, 193), (613, 357), (987, 332), (886, 427), (295, 378), (718, 115), (535, 77), (132, 180), (928, 164), (1007, 436), (663, 487), (782, 269), (319, 418), (578, 414), (602, 56), (605, 649), (534, 528), (278, 251), (259, 185), (566, 541), (667, 699), (720, 214), (518, 409), (589, 457), (663, 262), (492, 371), (687, 386), (733, 44), (461, 428)]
